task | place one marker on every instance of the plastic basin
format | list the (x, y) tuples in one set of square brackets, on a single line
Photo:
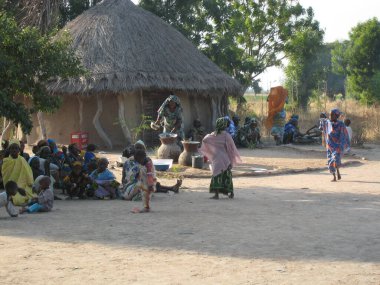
[(162, 164)]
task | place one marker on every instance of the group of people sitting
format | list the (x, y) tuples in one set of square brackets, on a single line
[(29, 181), (292, 133), (247, 135)]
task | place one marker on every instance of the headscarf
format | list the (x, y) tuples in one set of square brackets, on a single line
[(42, 148), (253, 120), (336, 112), (293, 121), (32, 158), (55, 149), (295, 117), (173, 98), (140, 142), (221, 124), (77, 163)]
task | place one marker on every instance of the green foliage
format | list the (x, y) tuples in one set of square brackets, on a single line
[(305, 69), (70, 9), (144, 125), (187, 16), (242, 37), (359, 59), (27, 62)]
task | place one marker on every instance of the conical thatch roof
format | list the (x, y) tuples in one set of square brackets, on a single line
[(126, 48)]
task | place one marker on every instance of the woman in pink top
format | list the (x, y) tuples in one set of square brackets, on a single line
[(220, 149)]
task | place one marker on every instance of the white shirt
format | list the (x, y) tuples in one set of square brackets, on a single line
[(4, 202), (349, 131)]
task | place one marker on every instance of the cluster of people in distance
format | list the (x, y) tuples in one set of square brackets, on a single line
[(29, 181)]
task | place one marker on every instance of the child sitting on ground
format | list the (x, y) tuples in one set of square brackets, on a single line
[(104, 181), (77, 183), (11, 189), (44, 201)]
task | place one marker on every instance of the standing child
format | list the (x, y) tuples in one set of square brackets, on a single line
[(347, 123), (44, 201), (220, 149), (11, 189), (337, 142), (146, 180)]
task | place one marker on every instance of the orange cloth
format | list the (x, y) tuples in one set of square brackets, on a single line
[(276, 101)]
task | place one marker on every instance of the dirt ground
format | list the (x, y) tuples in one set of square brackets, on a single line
[(283, 229)]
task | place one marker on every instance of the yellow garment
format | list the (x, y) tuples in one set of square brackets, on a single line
[(276, 102), (19, 171)]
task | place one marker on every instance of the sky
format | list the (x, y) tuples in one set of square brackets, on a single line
[(336, 18)]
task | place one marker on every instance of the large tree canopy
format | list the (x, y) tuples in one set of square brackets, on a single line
[(27, 61), (359, 59), (305, 69), (243, 37)]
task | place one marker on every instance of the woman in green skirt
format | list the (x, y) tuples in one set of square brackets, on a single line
[(221, 151)]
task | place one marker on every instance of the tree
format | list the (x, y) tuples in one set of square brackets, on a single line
[(359, 59), (243, 37), (27, 62), (305, 66), (70, 9), (42, 14), (187, 16)]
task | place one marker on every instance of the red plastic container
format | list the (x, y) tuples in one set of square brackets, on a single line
[(80, 138)]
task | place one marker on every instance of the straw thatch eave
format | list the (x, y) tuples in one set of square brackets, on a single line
[(126, 48)]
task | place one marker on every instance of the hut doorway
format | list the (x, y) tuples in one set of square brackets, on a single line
[(151, 102)]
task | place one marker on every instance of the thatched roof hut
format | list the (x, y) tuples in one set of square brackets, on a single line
[(134, 59)]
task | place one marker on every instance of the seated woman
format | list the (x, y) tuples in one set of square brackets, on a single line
[(104, 181), (46, 164), (73, 154), (15, 168), (197, 132), (291, 131), (249, 135), (57, 156), (89, 156), (77, 184)]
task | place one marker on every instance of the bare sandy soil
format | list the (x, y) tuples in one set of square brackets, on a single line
[(289, 229)]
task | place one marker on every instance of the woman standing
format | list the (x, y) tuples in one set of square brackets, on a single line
[(337, 142), (170, 113), (220, 149)]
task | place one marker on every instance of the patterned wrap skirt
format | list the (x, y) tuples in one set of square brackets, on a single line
[(222, 182)]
